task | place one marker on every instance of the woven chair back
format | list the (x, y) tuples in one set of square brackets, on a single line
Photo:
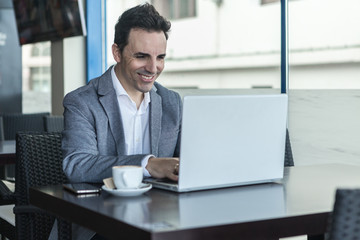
[(16, 122), (289, 160), (38, 163), (344, 223)]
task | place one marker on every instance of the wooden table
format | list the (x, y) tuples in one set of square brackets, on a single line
[(7, 152), (297, 205)]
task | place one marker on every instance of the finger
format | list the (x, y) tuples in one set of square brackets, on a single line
[(173, 177), (176, 169)]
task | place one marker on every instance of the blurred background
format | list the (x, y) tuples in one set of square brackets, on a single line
[(233, 47)]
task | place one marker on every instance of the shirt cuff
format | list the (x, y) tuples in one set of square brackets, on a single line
[(144, 162)]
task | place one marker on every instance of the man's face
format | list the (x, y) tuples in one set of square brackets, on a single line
[(141, 61)]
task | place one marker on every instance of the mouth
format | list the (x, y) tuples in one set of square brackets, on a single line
[(147, 78)]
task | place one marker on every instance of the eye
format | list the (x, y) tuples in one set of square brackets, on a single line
[(161, 57), (139, 56)]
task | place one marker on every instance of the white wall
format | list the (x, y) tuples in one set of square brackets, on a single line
[(68, 69), (324, 23), (327, 76), (218, 78)]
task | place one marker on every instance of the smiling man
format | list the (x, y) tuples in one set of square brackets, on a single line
[(125, 117)]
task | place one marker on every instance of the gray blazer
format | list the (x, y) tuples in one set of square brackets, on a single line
[(93, 138)]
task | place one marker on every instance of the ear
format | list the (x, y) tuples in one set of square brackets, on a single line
[(116, 52)]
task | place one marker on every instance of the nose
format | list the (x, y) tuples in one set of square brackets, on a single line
[(152, 66)]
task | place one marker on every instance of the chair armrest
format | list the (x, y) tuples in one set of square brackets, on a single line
[(28, 209)]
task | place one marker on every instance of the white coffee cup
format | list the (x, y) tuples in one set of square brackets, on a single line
[(126, 177)]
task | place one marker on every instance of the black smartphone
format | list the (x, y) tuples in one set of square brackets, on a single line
[(82, 188)]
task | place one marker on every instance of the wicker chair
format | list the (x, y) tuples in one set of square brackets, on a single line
[(39, 162), (16, 122), (2, 137), (7, 222), (289, 160), (7, 201), (344, 224), (2, 170), (54, 123)]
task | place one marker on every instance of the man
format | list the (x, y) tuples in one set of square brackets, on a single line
[(124, 117)]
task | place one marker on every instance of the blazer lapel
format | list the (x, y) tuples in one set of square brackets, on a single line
[(110, 104), (155, 120)]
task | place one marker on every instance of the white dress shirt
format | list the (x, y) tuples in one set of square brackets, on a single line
[(135, 122)]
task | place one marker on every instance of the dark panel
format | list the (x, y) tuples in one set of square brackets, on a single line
[(39, 21), (10, 61)]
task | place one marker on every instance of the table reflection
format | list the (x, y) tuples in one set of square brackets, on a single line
[(7, 152), (163, 210), (7, 146)]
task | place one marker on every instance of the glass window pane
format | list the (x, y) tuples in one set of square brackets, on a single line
[(324, 75), (227, 45), (36, 76), (35, 51), (184, 9), (46, 51)]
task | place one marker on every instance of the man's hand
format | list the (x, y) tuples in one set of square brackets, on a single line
[(163, 167)]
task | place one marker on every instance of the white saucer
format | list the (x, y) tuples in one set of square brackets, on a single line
[(128, 192)]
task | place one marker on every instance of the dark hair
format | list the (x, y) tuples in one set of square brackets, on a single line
[(142, 16)]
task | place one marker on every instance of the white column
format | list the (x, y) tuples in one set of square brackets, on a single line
[(68, 69)]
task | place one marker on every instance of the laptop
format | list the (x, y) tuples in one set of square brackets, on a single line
[(230, 140)]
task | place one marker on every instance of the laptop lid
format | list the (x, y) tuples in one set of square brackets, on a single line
[(231, 140)]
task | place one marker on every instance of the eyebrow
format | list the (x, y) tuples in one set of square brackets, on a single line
[(146, 54)]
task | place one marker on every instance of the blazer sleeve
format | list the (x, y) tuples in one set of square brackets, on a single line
[(177, 148)]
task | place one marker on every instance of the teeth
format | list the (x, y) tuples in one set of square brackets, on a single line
[(147, 77)]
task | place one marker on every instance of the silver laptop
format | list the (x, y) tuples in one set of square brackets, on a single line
[(229, 141)]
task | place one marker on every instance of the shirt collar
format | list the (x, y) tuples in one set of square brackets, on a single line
[(119, 89)]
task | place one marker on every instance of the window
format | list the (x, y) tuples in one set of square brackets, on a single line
[(176, 9), (35, 51), (324, 81), (40, 49), (39, 79), (36, 77), (224, 45)]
